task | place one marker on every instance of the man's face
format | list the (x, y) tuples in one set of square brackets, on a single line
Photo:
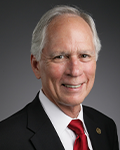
[(68, 63)]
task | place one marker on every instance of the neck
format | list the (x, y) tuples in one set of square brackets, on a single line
[(71, 111)]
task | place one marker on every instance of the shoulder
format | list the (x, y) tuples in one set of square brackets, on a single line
[(14, 120), (14, 132), (98, 116), (21, 115), (95, 119)]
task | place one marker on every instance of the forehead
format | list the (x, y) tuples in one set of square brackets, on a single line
[(69, 31), (67, 20)]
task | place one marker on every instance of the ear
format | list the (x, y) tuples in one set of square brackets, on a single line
[(35, 66)]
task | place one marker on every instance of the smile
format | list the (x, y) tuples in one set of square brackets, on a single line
[(72, 86)]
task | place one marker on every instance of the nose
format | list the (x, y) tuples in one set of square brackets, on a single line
[(74, 67)]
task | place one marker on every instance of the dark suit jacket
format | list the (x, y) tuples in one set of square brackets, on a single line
[(31, 129)]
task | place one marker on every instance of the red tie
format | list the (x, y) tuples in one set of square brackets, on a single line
[(81, 140)]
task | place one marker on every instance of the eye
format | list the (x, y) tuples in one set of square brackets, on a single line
[(59, 57), (84, 56)]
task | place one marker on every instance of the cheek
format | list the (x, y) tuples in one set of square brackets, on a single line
[(90, 70), (56, 71)]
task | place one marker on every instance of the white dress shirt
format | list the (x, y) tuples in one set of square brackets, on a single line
[(60, 122)]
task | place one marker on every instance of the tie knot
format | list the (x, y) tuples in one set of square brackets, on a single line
[(76, 126)]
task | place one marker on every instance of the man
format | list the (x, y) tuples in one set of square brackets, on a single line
[(64, 52)]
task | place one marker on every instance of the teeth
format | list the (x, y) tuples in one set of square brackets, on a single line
[(72, 86)]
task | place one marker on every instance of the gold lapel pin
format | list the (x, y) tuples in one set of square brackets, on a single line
[(98, 130)]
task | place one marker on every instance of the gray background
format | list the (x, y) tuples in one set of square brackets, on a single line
[(18, 85)]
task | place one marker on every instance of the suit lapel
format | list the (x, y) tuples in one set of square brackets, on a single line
[(97, 132), (45, 136)]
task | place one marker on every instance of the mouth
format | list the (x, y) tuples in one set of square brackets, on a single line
[(72, 86)]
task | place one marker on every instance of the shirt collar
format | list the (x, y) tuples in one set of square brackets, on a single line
[(58, 118)]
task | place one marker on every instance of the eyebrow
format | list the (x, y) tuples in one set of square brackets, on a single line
[(87, 52), (69, 53), (58, 53)]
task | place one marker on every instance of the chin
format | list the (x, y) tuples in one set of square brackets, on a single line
[(72, 102)]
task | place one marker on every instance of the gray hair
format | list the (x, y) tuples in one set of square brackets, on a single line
[(39, 33)]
